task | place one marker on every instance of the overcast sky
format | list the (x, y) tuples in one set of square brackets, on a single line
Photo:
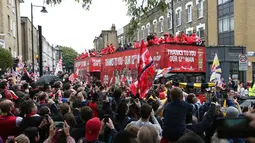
[(68, 24)]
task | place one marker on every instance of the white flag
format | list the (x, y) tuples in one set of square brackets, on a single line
[(59, 67)]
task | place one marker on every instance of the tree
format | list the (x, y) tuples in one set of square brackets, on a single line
[(68, 55), (134, 9), (6, 60)]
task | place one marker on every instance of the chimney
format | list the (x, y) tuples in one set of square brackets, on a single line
[(113, 27)]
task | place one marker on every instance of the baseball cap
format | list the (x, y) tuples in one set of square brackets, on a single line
[(93, 127)]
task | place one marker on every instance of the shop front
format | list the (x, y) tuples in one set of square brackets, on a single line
[(229, 61)]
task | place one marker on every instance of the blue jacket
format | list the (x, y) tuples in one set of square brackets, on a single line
[(174, 123)]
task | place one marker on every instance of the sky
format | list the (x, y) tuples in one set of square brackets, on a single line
[(68, 24)]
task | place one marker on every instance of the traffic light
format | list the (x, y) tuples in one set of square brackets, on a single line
[(36, 58)]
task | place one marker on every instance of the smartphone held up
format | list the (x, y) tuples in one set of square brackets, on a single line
[(234, 128)]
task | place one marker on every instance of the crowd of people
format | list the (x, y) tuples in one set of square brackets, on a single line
[(67, 112), (152, 39)]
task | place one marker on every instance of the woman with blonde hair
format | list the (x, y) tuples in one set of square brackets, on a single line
[(22, 139), (148, 134)]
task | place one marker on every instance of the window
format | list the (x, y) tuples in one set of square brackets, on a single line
[(222, 1), (232, 23), (13, 6), (148, 28), (10, 50), (161, 24), (226, 23), (220, 25), (14, 29), (138, 37), (9, 24), (143, 32), (189, 13), (200, 9), (169, 20), (29, 34), (155, 26), (189, 32), (179, 17), (9, 2), (200, 31)]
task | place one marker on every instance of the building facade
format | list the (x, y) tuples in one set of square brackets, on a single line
[(48, 56), (232, 24), (106, 37), (187, 16), (10, 28), (26, 40)]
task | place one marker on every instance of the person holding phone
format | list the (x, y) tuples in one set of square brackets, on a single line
[(58, 134)]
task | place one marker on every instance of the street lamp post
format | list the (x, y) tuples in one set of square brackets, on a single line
[(32, 31)]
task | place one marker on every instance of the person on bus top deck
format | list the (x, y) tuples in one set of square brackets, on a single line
[(136, 44), (181, 38), (174, 125), (170, 38), (193, 39), (155, 40), (165, 39)]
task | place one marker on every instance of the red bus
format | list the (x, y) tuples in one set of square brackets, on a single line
[(187, 61)]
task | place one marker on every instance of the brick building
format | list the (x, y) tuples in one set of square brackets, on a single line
[(10, 35), (106, 37), (188, 15), (233, 24), (26, 43)]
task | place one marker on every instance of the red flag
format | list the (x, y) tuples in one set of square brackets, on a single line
[(71, 78), (76, 74), (146, 71), (133, 87)]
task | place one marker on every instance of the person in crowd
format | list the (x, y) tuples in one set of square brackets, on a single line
[(125, 137), (122, 118), (190, 137), (31, 118), (85, 115), (9, 123), (136, 44), (175, 116), (93, 105), (93, 127), (230, 99), (61, 133), (146, 114), (251, 91), (148, 134), (21, 139), (68, 115), (33, 134)]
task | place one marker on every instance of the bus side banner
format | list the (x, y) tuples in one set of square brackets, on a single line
[(115, 66), (182, 58)]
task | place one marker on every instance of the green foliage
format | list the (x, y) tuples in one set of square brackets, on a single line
[(68, 56), (6, 60)]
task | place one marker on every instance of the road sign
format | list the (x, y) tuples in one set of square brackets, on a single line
[(243, 62)]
